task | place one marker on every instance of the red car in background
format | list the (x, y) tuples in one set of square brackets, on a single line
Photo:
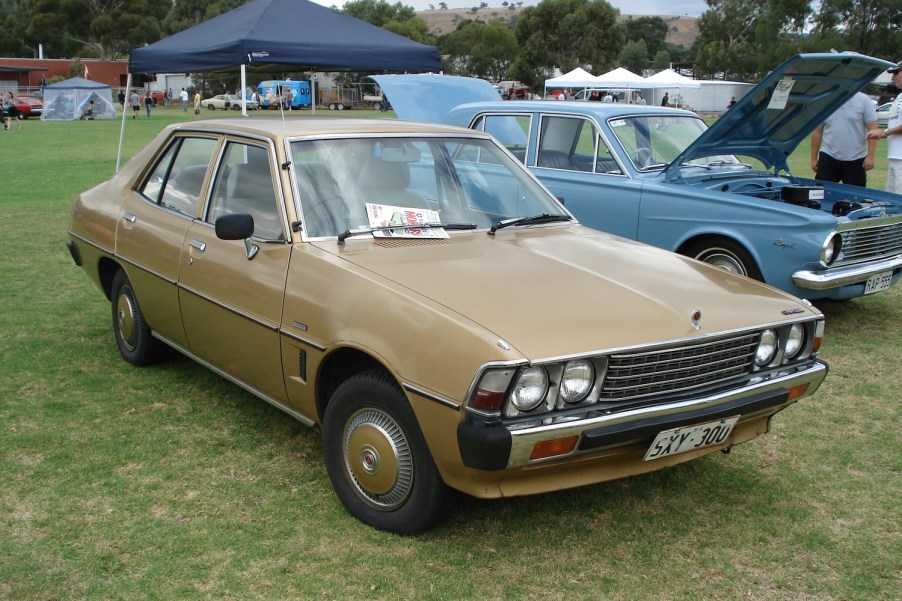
[(28, 106), (514, 90)]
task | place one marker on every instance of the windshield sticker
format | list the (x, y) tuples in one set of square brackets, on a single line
[(781, 94), (617, 123), (394, 219)]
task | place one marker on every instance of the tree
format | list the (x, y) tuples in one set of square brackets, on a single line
[(378, 12), (396, 18), (743, 39), (661, 60), (566, 34), (188, 13), (480, 49), (651, 29), (634, 56), (106, 29), (871, 27)]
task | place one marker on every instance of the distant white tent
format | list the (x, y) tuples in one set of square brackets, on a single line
[(578, 78), (668, 78), (70, 100), (621, 78)]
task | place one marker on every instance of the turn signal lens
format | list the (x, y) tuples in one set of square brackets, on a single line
[(553, 448), (490, 392), (818, 337)]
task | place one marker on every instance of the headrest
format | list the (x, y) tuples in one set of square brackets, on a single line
[(384, 175)]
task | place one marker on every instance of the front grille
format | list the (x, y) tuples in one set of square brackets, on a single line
[(866, 243), (678, 368)]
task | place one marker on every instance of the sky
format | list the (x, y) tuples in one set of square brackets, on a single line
[(691, 8)]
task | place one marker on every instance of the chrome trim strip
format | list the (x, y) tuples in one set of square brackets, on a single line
[(262, 395), (524, 440), (432, 397), (843, 276), (304, 341), (268, 325), (870, 222)]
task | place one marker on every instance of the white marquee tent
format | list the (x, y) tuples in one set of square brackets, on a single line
[(69, 100), (578, 78)]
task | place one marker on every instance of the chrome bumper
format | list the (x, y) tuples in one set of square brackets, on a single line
[(624, 428), (844, 276)]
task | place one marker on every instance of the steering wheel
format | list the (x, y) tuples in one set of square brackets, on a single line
[(641, 157)]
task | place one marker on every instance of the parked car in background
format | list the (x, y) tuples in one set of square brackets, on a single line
[(413, 291), (28, 106), (883, 112), (723, 195), (226, 102), (513, 90)]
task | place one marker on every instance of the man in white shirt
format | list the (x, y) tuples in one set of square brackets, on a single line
[(183, 96), (840, 148), (893, 135)]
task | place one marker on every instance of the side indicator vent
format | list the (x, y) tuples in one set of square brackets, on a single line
[(302, 364)]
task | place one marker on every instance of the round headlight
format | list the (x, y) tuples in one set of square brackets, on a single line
[(530, 388), (830, 249), (767, 348), (576, 380), (795, 341)]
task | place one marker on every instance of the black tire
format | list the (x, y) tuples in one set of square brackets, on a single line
[(377, 458), (726, 254), (211, 107), (136, 344)]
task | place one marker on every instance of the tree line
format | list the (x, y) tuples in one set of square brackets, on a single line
[(738, 39)]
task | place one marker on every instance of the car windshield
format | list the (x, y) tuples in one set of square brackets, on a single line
[(654, 141), (353, 184)]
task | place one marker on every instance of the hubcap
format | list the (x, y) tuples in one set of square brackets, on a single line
[(125, 318), (725, 261), (378, 458)]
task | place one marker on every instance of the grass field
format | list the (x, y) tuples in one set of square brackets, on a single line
[(171, 483)]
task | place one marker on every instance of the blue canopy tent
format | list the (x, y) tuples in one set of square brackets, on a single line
[(264, 34), (284, 32)]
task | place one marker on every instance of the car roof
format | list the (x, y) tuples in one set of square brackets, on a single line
[(310, 125)]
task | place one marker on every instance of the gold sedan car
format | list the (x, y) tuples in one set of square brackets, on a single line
[(414, 292)]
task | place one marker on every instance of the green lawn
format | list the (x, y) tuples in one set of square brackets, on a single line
[(171, 483)]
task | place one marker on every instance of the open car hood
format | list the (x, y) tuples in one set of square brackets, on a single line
[(770, 121), (430, 98)]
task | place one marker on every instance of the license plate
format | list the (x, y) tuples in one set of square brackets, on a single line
[(878, 282), (689, 438)]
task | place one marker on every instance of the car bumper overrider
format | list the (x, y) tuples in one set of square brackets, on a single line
[(494, 446)]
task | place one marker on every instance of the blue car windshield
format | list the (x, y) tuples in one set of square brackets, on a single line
[(653, 141), (357, 183)]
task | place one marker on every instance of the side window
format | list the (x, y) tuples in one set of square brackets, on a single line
[(564, 144), (511, 130), (177, 180), (605, 161), (244, 184)]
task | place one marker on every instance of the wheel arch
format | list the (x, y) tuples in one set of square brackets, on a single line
[(106, 271), (702, 239), (337, 367)]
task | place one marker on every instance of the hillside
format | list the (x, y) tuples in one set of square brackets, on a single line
[(682, 30)]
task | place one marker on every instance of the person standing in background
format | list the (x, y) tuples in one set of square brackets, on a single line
[(893, 135), (840, 148), (148, 103), (183, 96)]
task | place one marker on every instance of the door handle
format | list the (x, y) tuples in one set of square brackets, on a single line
[(198, 245), (130, 217)]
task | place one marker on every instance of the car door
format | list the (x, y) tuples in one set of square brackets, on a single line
[(231, 291), (152, 227), (575, 162)]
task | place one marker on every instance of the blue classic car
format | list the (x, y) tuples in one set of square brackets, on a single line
[(721, 194)]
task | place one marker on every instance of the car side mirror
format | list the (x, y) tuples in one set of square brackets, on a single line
[(239, 226)]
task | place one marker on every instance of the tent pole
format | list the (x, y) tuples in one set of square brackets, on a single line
[(243, 88), (312, 92), (128, 89)]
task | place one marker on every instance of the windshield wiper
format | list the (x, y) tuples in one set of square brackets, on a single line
[(383, 228), (533, 220)]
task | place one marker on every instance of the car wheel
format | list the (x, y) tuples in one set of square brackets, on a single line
[(377, 458), (726, 254), (340, 106), (211, 107), (136, 344)]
